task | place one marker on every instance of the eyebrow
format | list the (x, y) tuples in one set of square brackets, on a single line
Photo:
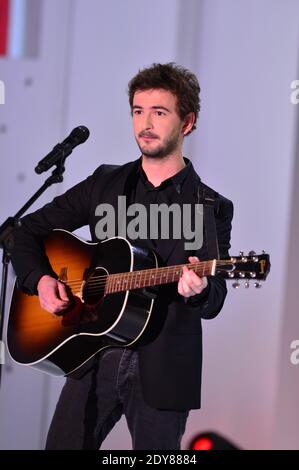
[(152, 107)]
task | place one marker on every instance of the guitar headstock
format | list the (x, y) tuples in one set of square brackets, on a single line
[(251, 267)]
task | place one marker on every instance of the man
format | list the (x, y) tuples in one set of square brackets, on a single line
[(158, 381)]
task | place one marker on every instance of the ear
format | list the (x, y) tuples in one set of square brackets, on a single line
[(188, 123)]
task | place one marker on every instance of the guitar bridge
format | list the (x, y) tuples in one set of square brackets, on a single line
[(63, 275)]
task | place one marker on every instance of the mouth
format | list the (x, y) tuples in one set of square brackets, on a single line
[(148, 137)]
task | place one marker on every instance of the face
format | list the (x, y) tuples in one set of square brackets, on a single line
[(158, 129)]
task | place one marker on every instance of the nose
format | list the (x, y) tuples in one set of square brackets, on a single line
[(148, 124)]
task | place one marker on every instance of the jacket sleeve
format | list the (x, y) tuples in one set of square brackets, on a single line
[(68, 211), (211, 299)]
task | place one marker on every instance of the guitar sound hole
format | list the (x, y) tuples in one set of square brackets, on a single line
[(94, 287)]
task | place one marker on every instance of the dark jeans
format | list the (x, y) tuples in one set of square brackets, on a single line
[(89, 408)]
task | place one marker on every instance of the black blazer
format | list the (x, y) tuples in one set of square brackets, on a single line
[(170, 357)]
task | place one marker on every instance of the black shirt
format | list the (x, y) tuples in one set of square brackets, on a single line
[(147, 194)]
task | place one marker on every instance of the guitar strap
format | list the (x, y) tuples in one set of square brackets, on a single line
[(210, 200)]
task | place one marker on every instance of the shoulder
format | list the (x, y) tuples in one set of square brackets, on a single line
[(107, 170), (222, 204), (226, 206)]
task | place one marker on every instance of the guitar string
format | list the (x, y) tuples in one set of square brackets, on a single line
[(159, 271), (95, 287), (148, 272), (50, 320), (142, 275)]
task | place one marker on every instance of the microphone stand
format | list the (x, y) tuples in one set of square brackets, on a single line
[(6, 238)]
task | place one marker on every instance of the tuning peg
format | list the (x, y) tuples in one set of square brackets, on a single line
[(236, 285), (246, 284), (241, 253), (257, 285), (251, 253), (263, 251)]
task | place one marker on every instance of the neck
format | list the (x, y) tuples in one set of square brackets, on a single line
[(158, 170)]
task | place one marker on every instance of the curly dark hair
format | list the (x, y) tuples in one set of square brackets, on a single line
[(174, 78)]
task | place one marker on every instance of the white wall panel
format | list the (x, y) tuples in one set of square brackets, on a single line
[(31, 124), (245, 146)]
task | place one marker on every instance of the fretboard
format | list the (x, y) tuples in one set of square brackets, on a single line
[(155, 276)]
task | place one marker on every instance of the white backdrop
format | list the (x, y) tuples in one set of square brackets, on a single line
[(245, 55)]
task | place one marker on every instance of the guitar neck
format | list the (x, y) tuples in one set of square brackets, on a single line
[(155, 276)]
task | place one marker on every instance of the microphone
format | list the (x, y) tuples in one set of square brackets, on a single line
[(63, 150)]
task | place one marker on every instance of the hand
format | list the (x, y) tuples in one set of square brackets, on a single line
[(52, 294), (190, 283)]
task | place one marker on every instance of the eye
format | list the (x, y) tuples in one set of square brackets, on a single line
[(137, 111), (160, 113)]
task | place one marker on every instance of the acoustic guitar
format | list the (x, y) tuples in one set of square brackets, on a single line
[(111, 287)]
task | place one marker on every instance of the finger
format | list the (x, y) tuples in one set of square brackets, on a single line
[(193, 282), (193, 259), (62, 292), (53, 304), (53, 296), (186, 290), (181, 287), (60, 300), (53, 308), (189, 283), (47, 306), (185, 273), (192, 278)]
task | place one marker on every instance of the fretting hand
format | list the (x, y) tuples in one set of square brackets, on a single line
[(190, 283)]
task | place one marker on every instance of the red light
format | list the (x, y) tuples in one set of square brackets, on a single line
[(203, 443)]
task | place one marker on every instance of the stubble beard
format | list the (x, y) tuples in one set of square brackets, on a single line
[(161, 151)]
